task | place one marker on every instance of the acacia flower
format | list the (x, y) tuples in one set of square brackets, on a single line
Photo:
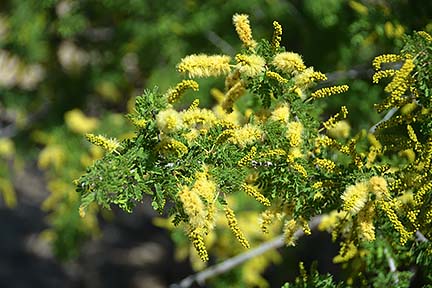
[(204, 65), (232, 223), (294, 132), (289, 229), (355, 197), (245, 135), (193, 206), (250, 65), (169, 121), (108, 144), (289, 62), (233, 95), (276, 76), (277, 35), (174, 94), (243, 29), (281, 113), (327, 91)]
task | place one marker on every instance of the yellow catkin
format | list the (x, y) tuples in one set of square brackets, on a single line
[(253, 192), (325, 164), (300, 169), (232, 223), (139, 123), (385, 58), (391, 214), (250, 65), (205, 65), (277, 35), (266, 220), (425, 35), (331, 122), (382, 74), (421, 192), (346, 252), (398, 84), (355, 197), (327, 91), (108, 144), (290, 227), (289, 62), (198, 242), (341, 129), (248, 158), (294, 133), (193, 207), (168, 145), (174, 94), (243, 29), (276, 76), (248, 134), (233, 95), (194, 105)]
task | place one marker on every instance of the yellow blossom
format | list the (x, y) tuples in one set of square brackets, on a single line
[(346, 252), (276, 76), (307, 77), (385, 58), (281, 113), (253, 192), (290, 227), (169, 145), (108, 144), (325, 163), (174, 94), (199, 118), (277, 35), (341, 129), (248, 157), (77, 122), (294, 133), (355, 197), (245, 135), (425, 35), (193, 206), (204, 65), (250, 65), (232, 223), (289, 62), (327, 91), (243, 29), (233, 95), (169, 121), (382, 74), (198, 242)]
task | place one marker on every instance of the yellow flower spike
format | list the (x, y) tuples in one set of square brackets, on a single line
[(233, 95), (248, 157), (244, 31), (355, 197), (331, 122), (290, 227), (328, 91), (253, 192), (8, 193), (425, 35), (273, 153), (193, 207), (412, 135), (294, 133), (300, 169), (382, 74), (400, 78), (418, 198), (205, 65), (266, 220), (248, 134), (198, 242), (307, 77), (281, 113), (347, 252), (289, 62), (391, 214), (250, 65), (385, 58), (169, 121), (168, 145), (139, 123), (276, 76), (277, 35), (174, 95), (194, 104), (201, 119), (325, 164), (217, 95), (232, 223), (108, 144), (358, 7)]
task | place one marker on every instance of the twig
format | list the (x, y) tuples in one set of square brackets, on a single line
[(239, 259), (386, 117), (220, 43), (421, 237), (392, 266)]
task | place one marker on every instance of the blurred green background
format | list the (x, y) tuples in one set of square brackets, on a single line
[(74, 66)]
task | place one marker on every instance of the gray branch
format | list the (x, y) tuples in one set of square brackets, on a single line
[(239, 259)]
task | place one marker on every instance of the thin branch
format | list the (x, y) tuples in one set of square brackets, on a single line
[(220, 43), (241, 258), (392, 266), (386, 117), (420, 237)]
